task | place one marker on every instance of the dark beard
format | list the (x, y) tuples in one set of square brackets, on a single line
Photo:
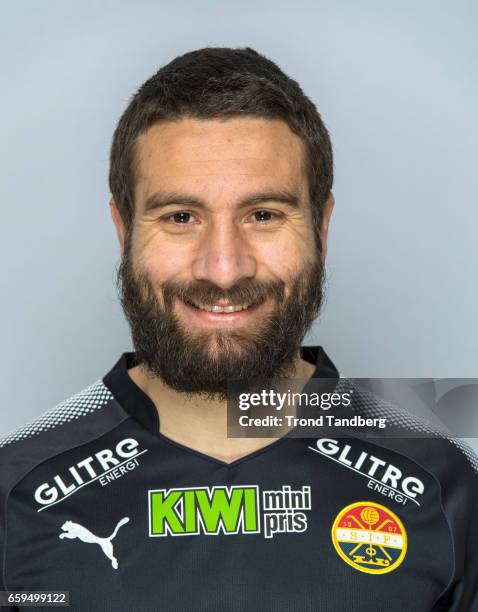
[(205, 362)]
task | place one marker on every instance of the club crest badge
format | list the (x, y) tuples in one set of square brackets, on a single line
[(369, 537)]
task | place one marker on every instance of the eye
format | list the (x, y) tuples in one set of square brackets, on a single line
[(180, 222), (180, 218), (264, 217)]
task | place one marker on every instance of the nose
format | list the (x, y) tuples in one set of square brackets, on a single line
[(224, 256)]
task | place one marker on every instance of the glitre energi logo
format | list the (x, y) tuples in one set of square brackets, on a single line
[(102, 467), (381, 476)]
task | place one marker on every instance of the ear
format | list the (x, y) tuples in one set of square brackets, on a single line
[(118, 221), (324, 229)]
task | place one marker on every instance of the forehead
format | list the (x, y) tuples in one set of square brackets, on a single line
[(211, 154)]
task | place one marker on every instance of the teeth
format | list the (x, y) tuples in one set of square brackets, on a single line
[(222, 308), (227, 308)]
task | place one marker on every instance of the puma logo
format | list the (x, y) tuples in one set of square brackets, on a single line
[(74, 530)]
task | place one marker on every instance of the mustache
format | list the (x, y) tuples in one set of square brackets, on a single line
[(206, 292)]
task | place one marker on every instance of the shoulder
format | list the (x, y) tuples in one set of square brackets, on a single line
[(421, 437), (424, 441), (85, 415), (84, 402)]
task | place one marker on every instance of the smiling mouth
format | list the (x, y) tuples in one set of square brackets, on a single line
[(222, 309)]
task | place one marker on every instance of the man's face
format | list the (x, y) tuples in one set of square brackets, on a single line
[(220, 276)]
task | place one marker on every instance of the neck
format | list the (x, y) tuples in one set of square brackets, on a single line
[(201, 424)]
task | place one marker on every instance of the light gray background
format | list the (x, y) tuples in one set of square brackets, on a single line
[(396, 85)]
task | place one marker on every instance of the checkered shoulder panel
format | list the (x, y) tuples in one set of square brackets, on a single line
[(88, 400), (370, 406)]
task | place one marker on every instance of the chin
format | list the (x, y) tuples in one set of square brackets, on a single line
[(219, 343)]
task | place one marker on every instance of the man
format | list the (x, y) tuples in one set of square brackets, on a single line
[(130, 495)]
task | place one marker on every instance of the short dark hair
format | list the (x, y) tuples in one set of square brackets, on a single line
[(217, 82)]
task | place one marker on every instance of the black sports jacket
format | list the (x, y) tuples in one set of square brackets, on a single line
[(97, 502)]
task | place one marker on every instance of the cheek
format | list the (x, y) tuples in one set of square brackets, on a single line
[(162, 261), (285, 258)]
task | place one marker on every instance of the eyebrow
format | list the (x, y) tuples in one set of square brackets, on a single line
[(160, 199)]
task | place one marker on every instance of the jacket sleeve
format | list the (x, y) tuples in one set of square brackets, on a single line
[(460, 504), (3, 586)]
